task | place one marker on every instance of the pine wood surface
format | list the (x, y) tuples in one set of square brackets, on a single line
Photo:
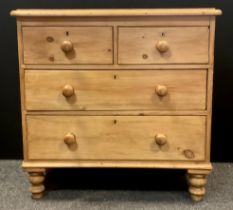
[(114, 12), (116, 138), (91, 45), (117, 88), (137, 45)]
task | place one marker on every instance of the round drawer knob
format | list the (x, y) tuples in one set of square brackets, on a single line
[(69, 139), (160, 139), (162, 46), (67, 46), (68, 91), (161, 90)]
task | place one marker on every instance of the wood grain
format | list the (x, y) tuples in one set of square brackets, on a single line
[(116, 90), (114, 12), (120, 112), (37, 187), (197, 180), (32, 165), (137, 45), (91, 45), (115, 138), (118, 21), (210, 87), (115, 66)]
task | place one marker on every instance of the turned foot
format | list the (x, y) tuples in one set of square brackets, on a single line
[(197, 181), (36, 179)]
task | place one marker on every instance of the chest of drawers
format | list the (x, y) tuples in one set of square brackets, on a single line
[(116, 88)]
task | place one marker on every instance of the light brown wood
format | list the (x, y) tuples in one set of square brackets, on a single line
[(22, 93), (139, 45), (116, 90), (162, 46), (161, 90), (197, 181), (118, 21), (67, 46), (119, 113), (116, 67), (70, 141), (68, 91), (36, 178), (210, 87), (116, 138), (116, 164), (113, 12), (88, 45), (160, 139)]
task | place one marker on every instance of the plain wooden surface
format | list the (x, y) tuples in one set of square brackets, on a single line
[(118, 21), (91, 45), (48, 164), (137, 45), (210, 86), (116, 90), (115, 66), (114, 12), (116, 138)]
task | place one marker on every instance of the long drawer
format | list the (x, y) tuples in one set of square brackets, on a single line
[(68, 45), (115, 90), (163, 45), (116, 137)]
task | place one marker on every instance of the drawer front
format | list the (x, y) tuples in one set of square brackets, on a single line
[(116, 138), (115, 90), (161, 45), (68, 45)]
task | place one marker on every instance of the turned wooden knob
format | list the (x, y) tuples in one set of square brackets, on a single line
[(69, 139), (161, 90), (67, 46), (68, 91), (160, 139), (162, 46)]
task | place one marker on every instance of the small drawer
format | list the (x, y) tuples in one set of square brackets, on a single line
[(163, 45), (68, 45), (116, 137), (115, 90)]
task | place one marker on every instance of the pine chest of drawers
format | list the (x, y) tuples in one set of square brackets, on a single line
[(116, 88)]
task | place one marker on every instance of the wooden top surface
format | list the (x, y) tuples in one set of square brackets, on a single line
[(113, 12)]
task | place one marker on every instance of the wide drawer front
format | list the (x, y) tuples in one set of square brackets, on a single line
[(160, 45), (116, 137), (67, 45), (115, 90)]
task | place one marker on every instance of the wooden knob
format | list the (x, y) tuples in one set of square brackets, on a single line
[(162, 46), (68, 91), (161, 90), (67, 46), (160, 139), (69, 139)]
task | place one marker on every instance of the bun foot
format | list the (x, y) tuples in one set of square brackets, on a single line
[(197, 180), (36, 179)]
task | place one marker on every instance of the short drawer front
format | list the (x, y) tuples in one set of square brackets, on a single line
[(68, 45), (161, 45), (116, 90), (116, 138)]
